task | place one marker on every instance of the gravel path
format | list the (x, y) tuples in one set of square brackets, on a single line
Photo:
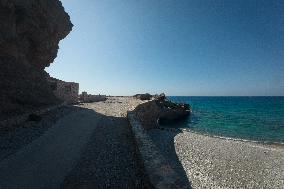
[(91, 147), (110, 159), (45, 162), (220, 163)]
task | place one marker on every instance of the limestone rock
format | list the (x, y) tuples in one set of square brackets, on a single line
[(151, 114), (161, 96), (30, 31)]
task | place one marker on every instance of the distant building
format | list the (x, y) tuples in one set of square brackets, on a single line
[(85, 97), (65, 91)]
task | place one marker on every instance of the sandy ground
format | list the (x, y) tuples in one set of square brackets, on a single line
[(220, 163)]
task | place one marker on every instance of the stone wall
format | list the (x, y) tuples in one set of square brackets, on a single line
[(85, 97), (65, 91), (157, 168)]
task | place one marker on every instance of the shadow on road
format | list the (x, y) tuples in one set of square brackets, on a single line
[(109, 160), (95, 150), (164, 139)]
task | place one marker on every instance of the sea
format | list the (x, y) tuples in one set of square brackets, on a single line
[(246, 118)]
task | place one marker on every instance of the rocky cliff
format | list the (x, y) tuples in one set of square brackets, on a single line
[(30, 31)]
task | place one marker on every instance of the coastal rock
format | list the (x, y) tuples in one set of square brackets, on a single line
[(145, 96), (30, 31), (162, 96), (153, 113)]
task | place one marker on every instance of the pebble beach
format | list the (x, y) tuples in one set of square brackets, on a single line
[(211, 162), (110, 159)]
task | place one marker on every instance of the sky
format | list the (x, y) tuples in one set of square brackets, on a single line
[(187, 48)]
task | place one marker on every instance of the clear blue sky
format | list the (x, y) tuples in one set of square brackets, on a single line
[(190, 47)]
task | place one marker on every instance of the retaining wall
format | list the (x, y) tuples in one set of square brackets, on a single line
[(159, 171)]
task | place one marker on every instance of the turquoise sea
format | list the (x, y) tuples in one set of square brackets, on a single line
[(252, 118)]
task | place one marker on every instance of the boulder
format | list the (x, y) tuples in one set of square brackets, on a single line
[(151, 114), (161, 96), (145, 96)]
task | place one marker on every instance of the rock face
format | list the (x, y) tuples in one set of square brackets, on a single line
[(30, 31), (153, 113)]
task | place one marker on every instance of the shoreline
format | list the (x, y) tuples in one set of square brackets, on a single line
[(191, 158), (213, 162), (266, 143)]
